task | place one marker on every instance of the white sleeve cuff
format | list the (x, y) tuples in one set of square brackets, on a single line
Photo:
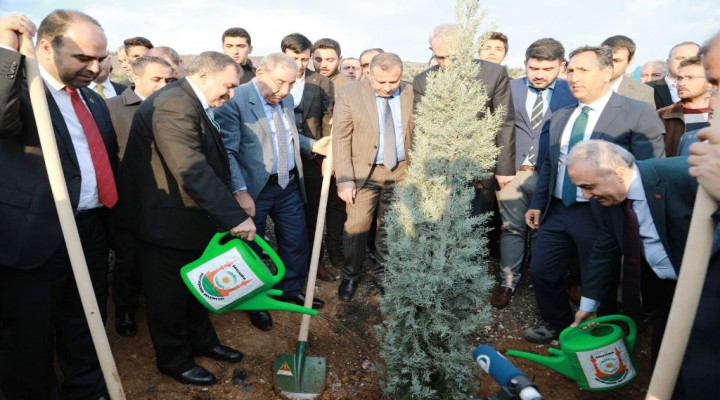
[(589, 305)]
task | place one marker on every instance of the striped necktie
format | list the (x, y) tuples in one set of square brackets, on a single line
[(537, 111), (282, 149)]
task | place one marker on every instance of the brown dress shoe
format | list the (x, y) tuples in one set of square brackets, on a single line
[(324, 274), (501, 296)]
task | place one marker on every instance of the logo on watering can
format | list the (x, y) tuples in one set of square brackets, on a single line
[(607, 366), (224, 279)]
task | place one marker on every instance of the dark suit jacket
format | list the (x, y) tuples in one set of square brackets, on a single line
[(670, 193), (629, 123), (496, 81), (175, 173), (122, 109), (315, 110), (525, 138), (355, 137), (30, 230), (663, 98)]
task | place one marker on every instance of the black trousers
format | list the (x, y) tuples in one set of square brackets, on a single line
[(41, 316), (335, 214), (127, 278), (179, 325)]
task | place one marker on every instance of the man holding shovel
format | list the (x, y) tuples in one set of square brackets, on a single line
[(40, 310)]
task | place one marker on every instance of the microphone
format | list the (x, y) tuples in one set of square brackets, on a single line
[(505, 373)]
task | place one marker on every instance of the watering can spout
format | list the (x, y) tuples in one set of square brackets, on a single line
[(264, 302), (558, 362)]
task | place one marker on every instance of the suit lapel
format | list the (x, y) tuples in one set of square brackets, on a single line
[(308, 97), (258, 109), (557, 132), (220, 148), (612, 109), (520, 103), (406, 111), (370, 106), (61, 130)]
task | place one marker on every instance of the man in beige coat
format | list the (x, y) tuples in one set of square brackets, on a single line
[(371, 144)]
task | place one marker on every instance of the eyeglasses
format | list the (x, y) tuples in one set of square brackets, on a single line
[(689, 78)]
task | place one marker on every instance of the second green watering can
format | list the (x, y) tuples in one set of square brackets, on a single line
[(597, 357)]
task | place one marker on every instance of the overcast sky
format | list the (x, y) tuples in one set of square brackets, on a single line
[(400, 26)]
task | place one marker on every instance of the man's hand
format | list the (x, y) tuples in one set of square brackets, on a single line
[(580, 316), (320, 146), (246, 230), (532, 218), (705, 161), (13, 25), (246, 202), (347, 192), (503, 180)]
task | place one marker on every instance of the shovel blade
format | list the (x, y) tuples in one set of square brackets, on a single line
[(298, 376)]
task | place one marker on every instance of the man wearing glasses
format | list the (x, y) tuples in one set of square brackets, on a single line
[(260, 135), (691, 112)]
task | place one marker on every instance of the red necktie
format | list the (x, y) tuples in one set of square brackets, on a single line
[(107, 193)]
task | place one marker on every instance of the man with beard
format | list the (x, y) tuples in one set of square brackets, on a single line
[(41, 316), (326, 60)]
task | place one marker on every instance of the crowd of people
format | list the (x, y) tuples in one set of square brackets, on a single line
[(592, 172)]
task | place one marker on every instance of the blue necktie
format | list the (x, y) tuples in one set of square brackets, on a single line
[(569, 192), (389, 149)]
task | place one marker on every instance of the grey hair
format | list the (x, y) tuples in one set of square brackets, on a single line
[(211, 61), (447, 34), (604, 55), (272, 61), (603, 156), (659, 62)]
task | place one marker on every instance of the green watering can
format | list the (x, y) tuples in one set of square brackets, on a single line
[(597, 358), (231, 276)]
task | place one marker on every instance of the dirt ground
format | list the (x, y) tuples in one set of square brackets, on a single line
[(350, 349)]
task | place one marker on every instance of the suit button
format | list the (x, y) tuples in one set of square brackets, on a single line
[(374, 147), (11, 76), (369, 164)]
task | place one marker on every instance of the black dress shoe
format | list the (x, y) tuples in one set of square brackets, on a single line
[(347, 289), (300, 300), (125, 324), (196, 375), (337, 259), (261, 319), (222, 353)]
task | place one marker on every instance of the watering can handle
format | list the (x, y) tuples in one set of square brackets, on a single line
[(629, 339), (263, 245)]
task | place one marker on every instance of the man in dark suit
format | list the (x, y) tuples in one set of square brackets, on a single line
[(567, 220), (647, 206), (313, 98), (443, 39), (175, 196), (266, 169), (149, 75), (373, 126), (666, 92), (535, 98), (41, 316), (497, 84)]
